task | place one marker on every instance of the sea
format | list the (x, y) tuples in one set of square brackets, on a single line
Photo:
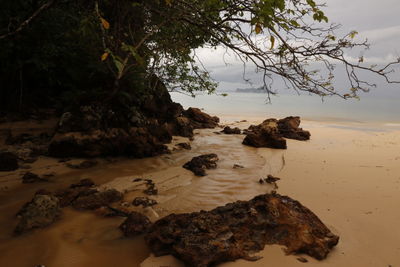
[(380, 111)]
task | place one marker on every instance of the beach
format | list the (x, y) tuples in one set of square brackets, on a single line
[(349, 176)]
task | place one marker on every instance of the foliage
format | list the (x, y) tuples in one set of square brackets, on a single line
[(55, 51)]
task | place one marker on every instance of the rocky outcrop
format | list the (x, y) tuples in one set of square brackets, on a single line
[(265, 135), (239, 229), (135, 224), (8, 161), (138, 131), (289, 128), (271, 133), (198, 165), (229, 130), (41, 211)]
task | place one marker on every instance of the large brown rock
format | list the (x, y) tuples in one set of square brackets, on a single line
[(289, 128), (41, 211), (265, 135), (199, 164), (199, 119), (239, 229), (97, 199)]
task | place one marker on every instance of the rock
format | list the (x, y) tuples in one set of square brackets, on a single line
[(199, 119), (41, 211), (239, 229), (301, 259), (271, 179), (265, 135), (86, 164), (184, 146), (151, 190), (83, 183), (135, 224), (199, 164), (30, 177), (289, 128), (8, 161), (144, 201), (238, 166), (97, 199), (229, 130)]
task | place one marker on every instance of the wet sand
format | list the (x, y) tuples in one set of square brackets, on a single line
[(349, 177)]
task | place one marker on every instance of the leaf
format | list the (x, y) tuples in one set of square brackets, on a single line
[(272, 40), (105, 23), (119, 65), (353, 34), (104, 56), (258, 28)]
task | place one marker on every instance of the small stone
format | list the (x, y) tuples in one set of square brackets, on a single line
[(184, 146), (301, 259), (238, 166), (144, 201), (135, 224), (30, 177)]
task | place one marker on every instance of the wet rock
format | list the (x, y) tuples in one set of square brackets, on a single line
[(238, 166), (83, 183), (144, 201), (41, 211), (199, 119), (69, 195), (86, 164), (198, 165), (289, 128), (135, 224), (151, 190), (239, 229), (97, 199), (301, 259), (184, 146), (30, 177), (8, 161), (229, 130), (265, 135)]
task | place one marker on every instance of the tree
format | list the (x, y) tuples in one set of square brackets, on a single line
[(131, 41)]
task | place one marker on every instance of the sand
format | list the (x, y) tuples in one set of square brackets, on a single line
[(349, 175)]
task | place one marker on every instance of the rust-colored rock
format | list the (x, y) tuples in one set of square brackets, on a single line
[(265, 135), (289, 128), (97, 199), (198, 165), (229, 130), (135, 224), (199, 119), (239, 229)]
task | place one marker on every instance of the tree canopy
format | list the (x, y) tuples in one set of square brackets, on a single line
[(103, 50)]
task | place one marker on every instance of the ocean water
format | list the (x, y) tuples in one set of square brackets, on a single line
[(384, 111)]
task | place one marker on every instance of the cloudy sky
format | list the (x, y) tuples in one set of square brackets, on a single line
[(378, 21)]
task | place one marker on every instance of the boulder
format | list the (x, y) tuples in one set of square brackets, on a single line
[(289, 128), (229, 130), (199, 119), (135, 224), (239, 229), (41, 211), (8, 161), (97, 199), (198, 165), (265, 135)]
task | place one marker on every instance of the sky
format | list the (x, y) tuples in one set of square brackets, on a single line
[(377, 21)]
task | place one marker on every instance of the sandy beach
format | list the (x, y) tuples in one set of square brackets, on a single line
[(348, 175)]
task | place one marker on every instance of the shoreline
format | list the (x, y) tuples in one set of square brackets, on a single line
[(348, 177)]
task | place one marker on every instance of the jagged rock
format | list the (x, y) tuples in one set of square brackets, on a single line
[(265, 135), (199, 119), (239, 229), (30, 177), (41, 211), (184, 146), (198, 165), (135, 224), (144, 201), (86, 164), (97, 199), (289, 128), (229, 130), (8, 161)]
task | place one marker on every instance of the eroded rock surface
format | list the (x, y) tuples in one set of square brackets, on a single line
[(265, 135), (198, 165), (135, 224), (239, 229), (289, 128), (41, 211)]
